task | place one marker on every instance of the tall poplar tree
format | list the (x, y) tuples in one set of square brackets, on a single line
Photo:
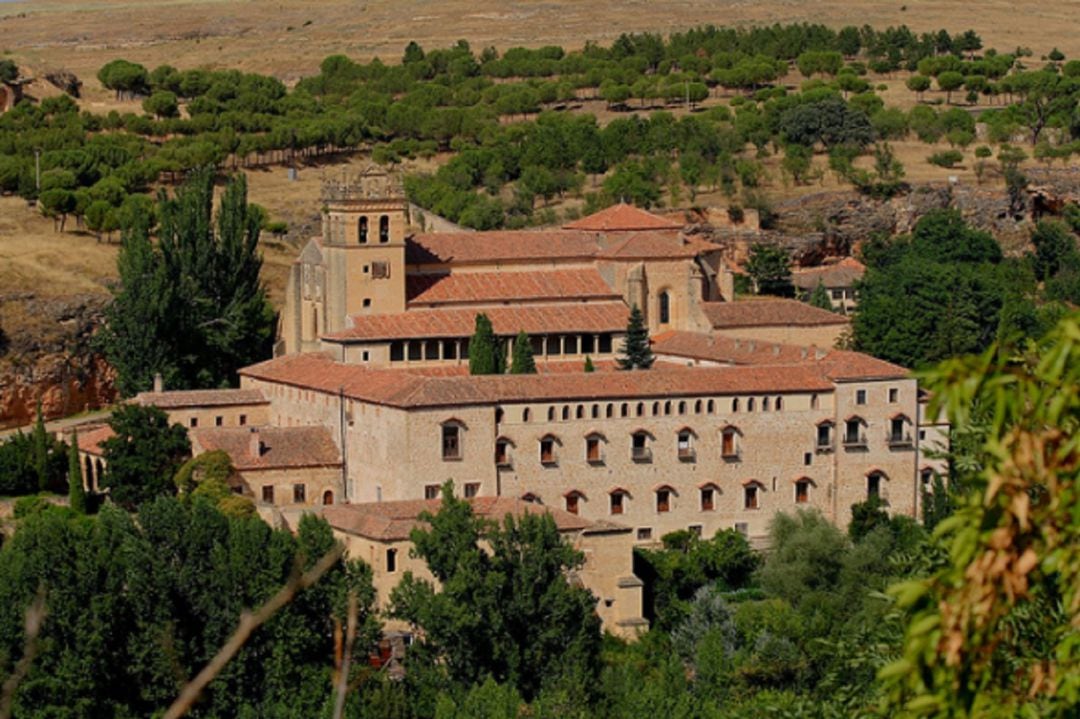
[(485, 357), (76, 493), (193, 307), (522, 361)]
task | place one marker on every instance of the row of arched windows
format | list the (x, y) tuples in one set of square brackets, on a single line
[(641, 446), (362, 230), (657, 408)]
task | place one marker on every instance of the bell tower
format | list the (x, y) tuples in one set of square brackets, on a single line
[(365, 219)]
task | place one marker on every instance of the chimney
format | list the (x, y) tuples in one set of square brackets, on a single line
[(159, 383), (256, 446)]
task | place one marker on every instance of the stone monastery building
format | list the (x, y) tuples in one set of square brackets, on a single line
[(368, 407)]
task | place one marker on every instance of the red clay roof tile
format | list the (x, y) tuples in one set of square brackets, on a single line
[(279, 447), (177, 399), (622, 217), (499, 246), (768, 313), (474, 287), (441, 323), (839, 274)]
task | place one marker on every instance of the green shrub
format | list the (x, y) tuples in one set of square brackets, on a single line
[(947, 158)]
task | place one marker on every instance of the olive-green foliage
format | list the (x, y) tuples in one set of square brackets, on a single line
[(143, 455), (76, 492), (23, 457), (522, 361), (983, 636), (208, 476), (820, 298), (148, 600), (509, 613), (190, 306), (770, 268)]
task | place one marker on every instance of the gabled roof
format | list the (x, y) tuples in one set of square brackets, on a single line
[(621, 218), (404, 389), (478, 287), (392, 521), (445, 323), (91, 441), (657, 245), (839, 274), (768, 313), (499, 246), (279, 447), (179, 399)]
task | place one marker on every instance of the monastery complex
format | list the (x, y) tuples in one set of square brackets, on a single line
[(368, 408)]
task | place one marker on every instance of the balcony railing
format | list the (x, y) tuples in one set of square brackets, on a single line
[(641, 454), (899, 440), (823, 447), (855, 441), (687, 454)]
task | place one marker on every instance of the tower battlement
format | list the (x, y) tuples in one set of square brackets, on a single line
[(371, 184)]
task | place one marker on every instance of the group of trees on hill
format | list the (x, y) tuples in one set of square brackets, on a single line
[(457, 100)]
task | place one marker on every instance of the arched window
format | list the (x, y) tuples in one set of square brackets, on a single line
[(664, 493), (580, 412), (802, 490), (899, 431), (854, 437), (594, 448), (779, 403), (750, 405), (697, 407), (764, 404), (735, 405), (384, 229), (729, 443), (684, 445), (548, 455), (708, 493), (682, 407), (710, 407), (573, 499), (566, 412), (617, 498), (551, 414), (665, 307), (875, 484), (328, 497), (361, 230), (813, 401), (656, 409), (640, 409), (610, 411), (752, 494), (639, 446), (624, 410), (525, 415), (667, 407)]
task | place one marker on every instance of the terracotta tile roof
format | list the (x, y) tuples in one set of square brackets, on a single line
[(768, 313), (404, 389), (200, 398), (533, 319), (91, 441), (839, 274), (657, 245), (623, 217), (499, 246), (730, 350), (472, 287), (392, 521), (837, 365), (279, 447), (542, 367)]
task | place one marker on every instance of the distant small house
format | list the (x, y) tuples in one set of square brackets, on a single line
[(839, 279)]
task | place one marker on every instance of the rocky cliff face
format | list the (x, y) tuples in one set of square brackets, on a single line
[(46, 356)]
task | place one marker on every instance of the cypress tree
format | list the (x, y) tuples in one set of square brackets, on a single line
[(589, 365), (522, 361), (484, 354), (635, 350), (76, 493), (820, 298)]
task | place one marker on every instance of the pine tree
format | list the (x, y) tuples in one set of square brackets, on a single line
[(485, 356), (636, 353), (76, 493), (820, 298), (589, 367), (522, 361)]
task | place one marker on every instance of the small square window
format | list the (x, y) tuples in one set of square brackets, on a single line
[(218, 421), (194, 422), (695, 529), (472, 489), (367, 302), (268, 493), (299, 493), (431, 491), (365, 355), (894, 395), (644, 534)]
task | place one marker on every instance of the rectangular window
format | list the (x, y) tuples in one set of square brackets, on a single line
[(415, 351), (451, 445), (860, 396), (554, 345), (727, 444), (838, 294), (502, 453), (707, 499), (644, 534), (639, 447), (431, 350), (299, 493), (380, 270), (472, 489), (449, 349), (807, 458), (873, 486), (695, 529), (663, 501), (243, 420), (268, 493), (802, 492), (685, 446), (572, 503), (431, 491), (617, 503), (397, 351), (391, 561), (894, 395), (750, 497), (605, 344), (593, 453), (588, 345), (194, 422), (824, 436), (570, 345), (218, 421)]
